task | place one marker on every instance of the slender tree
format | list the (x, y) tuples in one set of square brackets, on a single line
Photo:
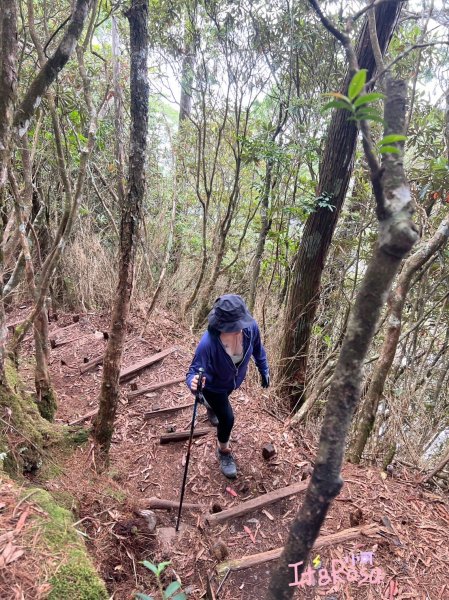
[(131, 214)]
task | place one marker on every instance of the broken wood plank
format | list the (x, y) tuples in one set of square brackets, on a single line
[(145, 362), (253, 560), (163, 411), (91, 364), (255, 503), (179, 436), (163, 504), (88, 415), (127, 372), (155, 386), (57, 342)]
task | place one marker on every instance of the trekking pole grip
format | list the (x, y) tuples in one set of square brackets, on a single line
[(199, 387)]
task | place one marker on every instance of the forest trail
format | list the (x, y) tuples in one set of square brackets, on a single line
[(410, 547)]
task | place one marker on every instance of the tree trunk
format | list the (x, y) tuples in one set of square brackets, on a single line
[(118, 114), (8, 85), (334, 176), (397, 234), (131, 214), (265, 226), (45, 395), (204, 308), (185, 108)]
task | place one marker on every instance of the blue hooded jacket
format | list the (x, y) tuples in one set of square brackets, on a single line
[(222, 375)]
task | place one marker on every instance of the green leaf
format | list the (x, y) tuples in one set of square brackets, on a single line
[(337, 104), (161, 566), (143, 597), (180, 596), (366, 98), (150, 567), (390, 139), (174, 585), (389, 150), (357, 84)]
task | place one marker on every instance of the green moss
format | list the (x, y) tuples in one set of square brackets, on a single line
[(76, 436), (75, 578), (66, 500), (37, 433), (48, 405), (115, 494)]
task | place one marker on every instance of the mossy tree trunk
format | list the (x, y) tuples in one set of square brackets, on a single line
[(8, 85), (131, 215)]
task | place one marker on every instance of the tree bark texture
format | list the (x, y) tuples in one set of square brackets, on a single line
[(185, 109), (51, 68), (8, 80), (396, 301), (265, 226), (131, 214), (397, 234), (118, 113), (45, 395), (8, 86), (335, 172)]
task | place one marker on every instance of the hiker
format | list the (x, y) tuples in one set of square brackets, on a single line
[(224, 352)]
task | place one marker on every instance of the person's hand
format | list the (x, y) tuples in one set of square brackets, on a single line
[(265, 379), (194, 384)]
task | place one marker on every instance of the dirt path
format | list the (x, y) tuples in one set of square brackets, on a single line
[(414, 561)]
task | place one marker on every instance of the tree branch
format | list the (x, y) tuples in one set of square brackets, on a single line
[(51, 68)]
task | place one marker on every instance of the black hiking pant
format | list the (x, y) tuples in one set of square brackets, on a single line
[(219, 403)]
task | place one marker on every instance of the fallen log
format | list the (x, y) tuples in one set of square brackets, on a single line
[(88, 415), (134, 368), (255, 503), (163, 504), (145, 362), (154, 413), (155, 386), (179, 436), (253, 560)]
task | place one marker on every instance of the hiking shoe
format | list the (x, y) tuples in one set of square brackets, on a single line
[(227, 464), (213, 420)]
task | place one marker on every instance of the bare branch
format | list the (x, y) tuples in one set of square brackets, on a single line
[(403, 55)]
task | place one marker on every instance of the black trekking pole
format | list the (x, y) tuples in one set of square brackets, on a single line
[(198, 399)]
